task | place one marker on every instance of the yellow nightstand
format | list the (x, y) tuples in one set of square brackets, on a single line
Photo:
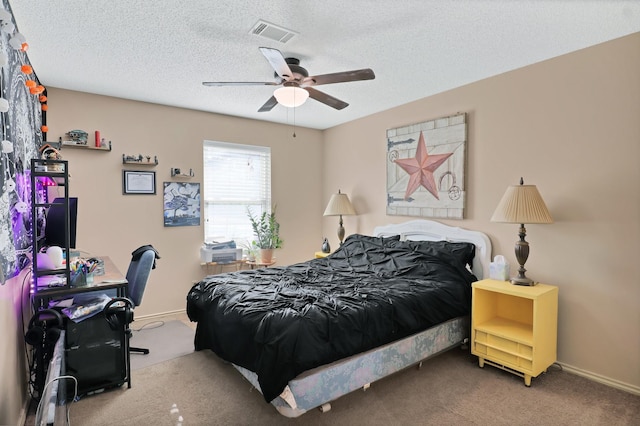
[(320, 254), (514, 327)]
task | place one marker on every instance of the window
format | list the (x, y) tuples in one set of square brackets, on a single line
[(236, 177)]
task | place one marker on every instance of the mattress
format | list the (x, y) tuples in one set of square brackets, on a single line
[(316, 387), (279, 322)]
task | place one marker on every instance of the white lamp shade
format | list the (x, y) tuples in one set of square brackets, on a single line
[(522, 204), (291, 96), (339, 204)]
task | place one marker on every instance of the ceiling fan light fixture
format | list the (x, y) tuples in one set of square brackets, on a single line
[(291, 96)]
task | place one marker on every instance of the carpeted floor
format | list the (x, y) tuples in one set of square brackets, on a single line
[(165, 340), (449, 390)]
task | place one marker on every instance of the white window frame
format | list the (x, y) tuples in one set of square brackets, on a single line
[(235, 177)]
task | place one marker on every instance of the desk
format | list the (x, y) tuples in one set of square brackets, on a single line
[(112, 279), (96, 352), (221, 265), (255, 264)]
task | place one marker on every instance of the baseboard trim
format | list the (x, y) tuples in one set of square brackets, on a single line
[(601, 379), (161, 314), (25, 409)]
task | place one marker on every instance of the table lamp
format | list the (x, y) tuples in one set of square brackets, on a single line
[(339, 205), (522, 204)]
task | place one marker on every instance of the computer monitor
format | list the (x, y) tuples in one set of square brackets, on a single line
[(54, 230)]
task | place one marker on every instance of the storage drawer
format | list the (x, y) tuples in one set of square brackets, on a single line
[(501, 356), (480, 336), (479, 348), (525, 364), (502, 344), (525, 351)]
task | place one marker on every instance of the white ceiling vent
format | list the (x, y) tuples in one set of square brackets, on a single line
[(272, 32)]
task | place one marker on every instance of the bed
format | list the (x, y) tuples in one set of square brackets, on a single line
[(308, 333)]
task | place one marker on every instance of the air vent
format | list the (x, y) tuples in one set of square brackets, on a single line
[(272, 32)]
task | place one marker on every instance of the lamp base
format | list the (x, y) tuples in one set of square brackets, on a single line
[(522, 254), (522, 281), (340, 231)]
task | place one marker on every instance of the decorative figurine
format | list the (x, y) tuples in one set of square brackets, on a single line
[(326, 248), (78, 136)]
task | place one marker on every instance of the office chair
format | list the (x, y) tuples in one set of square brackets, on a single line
[(143, 260)]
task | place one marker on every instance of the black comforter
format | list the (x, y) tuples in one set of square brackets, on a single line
[(281, 321)]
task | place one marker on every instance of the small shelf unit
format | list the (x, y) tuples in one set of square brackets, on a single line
[(43, 174)]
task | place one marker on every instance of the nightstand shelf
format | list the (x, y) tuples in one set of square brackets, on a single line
[(514, 327), (505, 328)]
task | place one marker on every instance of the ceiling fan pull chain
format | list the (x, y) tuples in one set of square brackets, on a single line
[(294, 122)]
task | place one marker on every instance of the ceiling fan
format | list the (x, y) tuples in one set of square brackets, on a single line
[(296, 82)]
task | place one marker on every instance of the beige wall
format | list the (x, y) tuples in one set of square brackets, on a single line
[(115, 224), (571, 126), (13, 365)]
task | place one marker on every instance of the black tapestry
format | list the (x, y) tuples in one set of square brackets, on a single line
[(21, 122)]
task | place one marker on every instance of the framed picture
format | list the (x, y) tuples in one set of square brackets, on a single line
[(426, 168), (138, 182), (181, 204)]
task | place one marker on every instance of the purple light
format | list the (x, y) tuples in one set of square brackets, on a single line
[(21, 218)]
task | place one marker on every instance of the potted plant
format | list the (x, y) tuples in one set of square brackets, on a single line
[(267, 231), (251, 249)]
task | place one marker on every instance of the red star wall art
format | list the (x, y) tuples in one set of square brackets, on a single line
[(425, 168)]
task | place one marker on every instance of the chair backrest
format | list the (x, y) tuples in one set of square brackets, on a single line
[(138, 274)]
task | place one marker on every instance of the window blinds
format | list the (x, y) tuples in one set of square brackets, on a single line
[(236, 177)]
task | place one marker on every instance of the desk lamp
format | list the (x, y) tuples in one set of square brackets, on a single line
[(339, 205), (522, 204)]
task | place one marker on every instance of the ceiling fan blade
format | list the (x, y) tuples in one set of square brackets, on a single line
[(277, 61), (239, 83), (339, 77), (268, 106), (326, 99)]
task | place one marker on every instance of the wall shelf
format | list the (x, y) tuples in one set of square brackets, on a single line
[(141, 163), (176, 172), (140, 160), (72, 144)]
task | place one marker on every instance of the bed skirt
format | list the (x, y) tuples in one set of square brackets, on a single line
[(316, 387)]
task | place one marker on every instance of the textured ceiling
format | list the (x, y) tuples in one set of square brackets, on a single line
[(160, 51)]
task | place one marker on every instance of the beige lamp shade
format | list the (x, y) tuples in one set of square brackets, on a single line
[(339, 205), (522, 204)]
